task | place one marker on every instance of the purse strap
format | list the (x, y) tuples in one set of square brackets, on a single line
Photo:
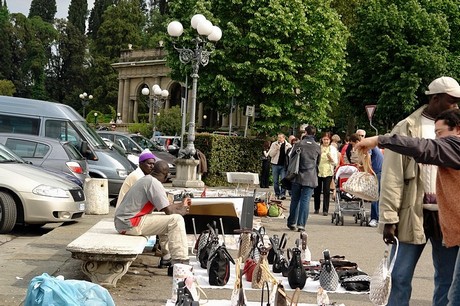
[(393, 260), (366, 158), (265, 285)]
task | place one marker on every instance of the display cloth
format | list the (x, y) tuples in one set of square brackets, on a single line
[(228, 303), (311, 285)]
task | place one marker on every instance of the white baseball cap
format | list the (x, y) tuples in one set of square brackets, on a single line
[(445, 85)]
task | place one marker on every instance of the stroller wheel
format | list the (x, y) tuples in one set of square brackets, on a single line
[(356, 219), (337, 220)]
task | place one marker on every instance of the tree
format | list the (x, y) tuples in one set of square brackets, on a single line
[(96, 16), (286, 57), (397, 48), (122, 25), (170, 122), (5, 47), (7, 88), (32, 41), (46, 9), (78, 12)]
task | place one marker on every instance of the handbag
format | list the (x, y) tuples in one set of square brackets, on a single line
[(245, 243), (293, 167), (282, 299), (238, 297), (275, 210), (297, 276), (280, 263), (358, 283), (261, 274), (328, 277), (184, 297), (363, 184), (380, 286), (218, 264)]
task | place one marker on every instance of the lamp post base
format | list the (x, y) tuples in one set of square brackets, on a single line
[(186, 173)]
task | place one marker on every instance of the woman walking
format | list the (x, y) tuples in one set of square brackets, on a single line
[(327, 164)]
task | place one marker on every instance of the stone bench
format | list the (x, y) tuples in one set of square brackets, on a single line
[(106, 254)]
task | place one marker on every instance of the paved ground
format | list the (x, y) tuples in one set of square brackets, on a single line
[(24, 255)]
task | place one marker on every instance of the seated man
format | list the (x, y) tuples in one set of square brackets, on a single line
[(134, 214), (146, 162)]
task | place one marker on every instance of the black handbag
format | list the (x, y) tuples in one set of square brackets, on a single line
[(275, 242), (297, 276), (280, 263), (184, 297), (219, 266)]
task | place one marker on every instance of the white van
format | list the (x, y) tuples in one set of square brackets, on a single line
[(55, 120)]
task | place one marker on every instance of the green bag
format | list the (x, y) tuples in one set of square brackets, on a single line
[(275, 210)]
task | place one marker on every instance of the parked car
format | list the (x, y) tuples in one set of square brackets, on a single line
[(169, 143), (47, 153), (126, 141), (30, 195), (133, 159), (62, 122)]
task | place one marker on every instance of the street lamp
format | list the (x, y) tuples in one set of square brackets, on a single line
[(85, 98), (200, 55), (186, 165), (157, 98), (95, 119)]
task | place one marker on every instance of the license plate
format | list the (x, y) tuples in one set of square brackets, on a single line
[(82, 206)]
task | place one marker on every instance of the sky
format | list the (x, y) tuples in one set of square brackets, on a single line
[(23, 6)]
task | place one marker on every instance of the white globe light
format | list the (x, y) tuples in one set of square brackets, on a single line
[(157, 91), (154, 87), (90, 97), (81, 96), (164, 93), (175, 29), (85, 94), (216, 34), (204, 27), (145, 91), (196, 19)]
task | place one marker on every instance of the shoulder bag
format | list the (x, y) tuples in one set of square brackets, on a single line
[(293, 167), (380, 286), (363, 184), (297, 276)]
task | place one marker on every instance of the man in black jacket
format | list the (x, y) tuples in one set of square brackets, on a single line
[(306, 181)]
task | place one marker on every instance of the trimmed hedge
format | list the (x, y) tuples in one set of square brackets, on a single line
[(228, 154)]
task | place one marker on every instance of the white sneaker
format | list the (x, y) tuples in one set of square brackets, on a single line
[(373, 223)]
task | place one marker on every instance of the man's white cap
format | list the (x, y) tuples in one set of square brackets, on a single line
[(445, 85)]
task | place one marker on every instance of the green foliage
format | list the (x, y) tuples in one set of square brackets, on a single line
[(6, 69), (397, 49), (144, 128), (268, 50), (122, 25), (78, 12), (170, 121), (45, 9), (228, 154), (96, 16), (7, 88)]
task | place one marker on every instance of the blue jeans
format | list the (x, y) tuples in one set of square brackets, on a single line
[(454, 291), (300, 205), (279, 172), (375, 204), (403, 271)]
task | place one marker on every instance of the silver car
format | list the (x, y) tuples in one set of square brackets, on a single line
[(29, 195), (48, 153)]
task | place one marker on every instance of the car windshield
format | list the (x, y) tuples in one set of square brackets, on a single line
[(146, 143), (8, 156), (90, 135)]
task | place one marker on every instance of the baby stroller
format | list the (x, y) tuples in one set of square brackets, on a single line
[(346, 203)]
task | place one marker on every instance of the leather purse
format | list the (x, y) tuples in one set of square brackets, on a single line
[(297, 276)]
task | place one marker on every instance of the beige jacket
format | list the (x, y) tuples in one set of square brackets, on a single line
[(401, 194)]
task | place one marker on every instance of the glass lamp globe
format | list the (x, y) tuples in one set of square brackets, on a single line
[(145, 91), (175, 29), (216, 34), (205, 27), (196, 19)]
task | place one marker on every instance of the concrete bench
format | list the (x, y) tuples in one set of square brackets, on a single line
[(106, 254)]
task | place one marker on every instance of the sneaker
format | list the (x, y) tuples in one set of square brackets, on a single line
[(325, 213), (292, 227), (316, 212), (283, 198), (164, 263), (300, 228), (373, 223)]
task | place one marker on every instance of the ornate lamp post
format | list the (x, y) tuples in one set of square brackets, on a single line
[(85, 98), (206, 32), (95, 119), (156, 99)]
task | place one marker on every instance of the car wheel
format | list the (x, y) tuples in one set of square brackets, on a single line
[(8, 213)]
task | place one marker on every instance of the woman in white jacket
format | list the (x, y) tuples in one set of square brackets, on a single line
[(328, 162)]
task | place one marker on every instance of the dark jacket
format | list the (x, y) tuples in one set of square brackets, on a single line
[(310, 153)]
